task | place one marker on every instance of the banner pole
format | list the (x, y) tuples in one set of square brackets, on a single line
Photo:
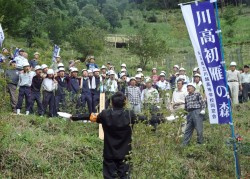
[(236, 159)]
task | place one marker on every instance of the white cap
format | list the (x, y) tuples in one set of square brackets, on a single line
[(176, 66), (61, 69), (197, 75), (233, 64), (182, 69), (44, 66), (73, 70), (50, 72), (123, 70), (103, 67), (142, 75), (139, 70), (36, 53), (154, 69), (132, 78), (96, 70), (111, 72), (84, 70), (162, 74), (191, 84), (138, 76), (38, 67), (182, 77), (122, 74), (123, 65), (60, 65), (58, 56), (195, 69), (89, 71), (25, 64), (148, 80)]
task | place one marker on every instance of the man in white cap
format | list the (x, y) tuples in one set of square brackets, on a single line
[(193, 73), (49, 86), (162, 84), (34, 62), (245, 80), (150, 95), (123, 82), (234, 82), (103, 70), (36, 91), (198, 84), (182, 75), (173, 76), (133, 94), (44, 70), (139, 70), (111, 87), (195, 106), (63, 86), (24, 84), (178, 97), (139, 82), (74, 85), (154, 76)]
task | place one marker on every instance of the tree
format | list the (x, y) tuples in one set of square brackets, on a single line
[(88, 40), (112, 15), (147, 45)]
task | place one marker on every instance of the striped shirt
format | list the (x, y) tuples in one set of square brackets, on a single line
[(133, 94)]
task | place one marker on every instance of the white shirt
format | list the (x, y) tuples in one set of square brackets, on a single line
[(245, 77), (49, 85), (150, 95), (179, 96), (111, 85), (25, 79), (163, 85), (20, 60)]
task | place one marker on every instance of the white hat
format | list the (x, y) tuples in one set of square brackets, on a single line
[(84, 70), (36, 53), (122, 74), (154, 69), (148, 80), (182, 69), (191, 84), (163, 74), (195, 69), (123, 70), (25, 64), (233, 64), (44, 66), (132, 78), (123, 65), (60, 65), (89, 71), (197, 75), (50, 72), (138, 76), (38, 67), (73, 70), (58, 56), (61, 69), (176, 66), (111, 72), (139, 70), (142, 75), (103, 67), (182, 77), (96, 70)]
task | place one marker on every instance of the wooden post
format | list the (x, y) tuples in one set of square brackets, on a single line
[(102, 107)]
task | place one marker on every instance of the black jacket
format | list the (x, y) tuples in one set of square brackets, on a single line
[(117, 127)]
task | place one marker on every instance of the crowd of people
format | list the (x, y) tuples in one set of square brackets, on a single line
[(47, 85)]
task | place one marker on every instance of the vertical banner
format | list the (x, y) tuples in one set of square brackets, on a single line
[(1, 36), (201, 24), (56, 52), (16, 53)]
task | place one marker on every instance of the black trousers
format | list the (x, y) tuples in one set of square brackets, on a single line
[(246, 91), (115, 169)]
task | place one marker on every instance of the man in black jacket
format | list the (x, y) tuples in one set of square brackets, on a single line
[(117, 125)]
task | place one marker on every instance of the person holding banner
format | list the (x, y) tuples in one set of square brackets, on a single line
[(195, 106), (34, 62), (234, 82)]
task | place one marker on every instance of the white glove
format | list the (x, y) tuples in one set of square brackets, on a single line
[(203, 111)]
